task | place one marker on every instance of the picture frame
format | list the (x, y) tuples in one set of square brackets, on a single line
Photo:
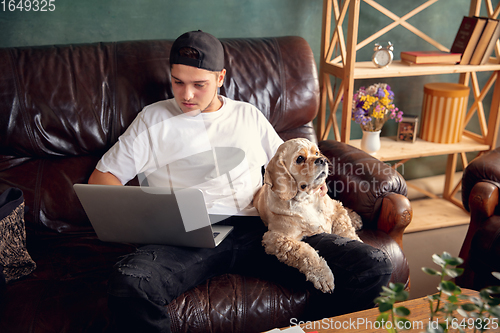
[(407, 129)]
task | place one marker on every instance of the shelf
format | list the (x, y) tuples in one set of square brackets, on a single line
[(338, 62), (392, 150), (367, 70)]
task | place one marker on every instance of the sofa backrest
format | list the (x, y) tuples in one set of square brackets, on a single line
[(74, 100), (62, 107)]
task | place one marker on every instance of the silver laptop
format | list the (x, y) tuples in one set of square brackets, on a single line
[(151, 215)]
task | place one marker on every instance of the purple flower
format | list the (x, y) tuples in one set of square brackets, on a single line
[(360, 117), (380, 93)]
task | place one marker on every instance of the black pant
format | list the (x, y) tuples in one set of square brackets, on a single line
[(147, 280)]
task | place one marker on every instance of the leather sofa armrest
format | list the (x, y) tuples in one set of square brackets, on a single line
[(395, 215), (485, 168), (480, 196), (482, 203), (370, 187)]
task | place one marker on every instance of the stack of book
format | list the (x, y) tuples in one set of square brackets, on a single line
[(473, 45), (430, 57), (476, 39)]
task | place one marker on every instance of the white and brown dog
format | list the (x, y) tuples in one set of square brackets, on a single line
[(292, 207)]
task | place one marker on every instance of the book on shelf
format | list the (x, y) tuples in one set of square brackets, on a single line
[(491, 45), (467, 37), (430, 57), (484, 41)]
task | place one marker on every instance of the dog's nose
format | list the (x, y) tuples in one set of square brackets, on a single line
[(320, 161)]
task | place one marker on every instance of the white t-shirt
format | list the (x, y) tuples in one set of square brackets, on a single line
[(221, 152)]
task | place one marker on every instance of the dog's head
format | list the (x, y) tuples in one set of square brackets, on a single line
[(296, 170)]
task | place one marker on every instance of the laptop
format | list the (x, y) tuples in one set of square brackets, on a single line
[(151, 215)]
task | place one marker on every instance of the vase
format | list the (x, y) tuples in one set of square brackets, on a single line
[(370, 142)]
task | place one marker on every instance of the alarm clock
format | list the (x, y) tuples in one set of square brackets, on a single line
[(382, 57)]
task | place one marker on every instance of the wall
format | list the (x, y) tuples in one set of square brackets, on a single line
[(114, 20), (419, 248)]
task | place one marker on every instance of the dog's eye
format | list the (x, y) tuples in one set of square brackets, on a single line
[(300, 159), (317, 153)]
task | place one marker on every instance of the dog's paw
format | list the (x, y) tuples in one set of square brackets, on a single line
[(322, 278), (356, 220)]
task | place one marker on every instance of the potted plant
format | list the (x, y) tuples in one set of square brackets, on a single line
[(371, 108), (477, 313)]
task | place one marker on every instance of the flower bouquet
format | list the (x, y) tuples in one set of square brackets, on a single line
[(373, 106)]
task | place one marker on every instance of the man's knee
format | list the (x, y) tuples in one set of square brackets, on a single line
[(135, 276), (350, 258)]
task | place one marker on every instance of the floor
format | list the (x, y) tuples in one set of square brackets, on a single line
[(419, 246)]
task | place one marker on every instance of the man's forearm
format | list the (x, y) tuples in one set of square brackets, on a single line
[(103, 178)]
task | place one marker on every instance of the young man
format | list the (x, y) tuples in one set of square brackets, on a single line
[(159, 145)]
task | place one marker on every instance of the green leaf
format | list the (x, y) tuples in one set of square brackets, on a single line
[(430, 271), (450, 307), (485, 295), (387, 291), (494, 311), (493, 289), (383, 317), (398, 287), (438, 260), (454, 261), (453, 272), (402, 296), (402, 311), (450, 260), (382, 320), (494, 302), (383, 307), (469, 307), (448, 287), (446, 256), (380, 300), (462, 312)]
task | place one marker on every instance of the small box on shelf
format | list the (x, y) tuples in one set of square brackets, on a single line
[(443, 112)]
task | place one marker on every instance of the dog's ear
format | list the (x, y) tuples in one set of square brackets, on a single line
[(279, 178)]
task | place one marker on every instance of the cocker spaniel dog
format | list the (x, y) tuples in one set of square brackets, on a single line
[(292, 207)]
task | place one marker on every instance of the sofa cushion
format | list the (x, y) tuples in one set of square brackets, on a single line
[(47, 185), (67, 291)]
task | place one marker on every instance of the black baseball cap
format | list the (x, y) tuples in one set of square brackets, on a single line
[(210, 50)]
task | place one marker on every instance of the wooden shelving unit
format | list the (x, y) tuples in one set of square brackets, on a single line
[(338, 60)]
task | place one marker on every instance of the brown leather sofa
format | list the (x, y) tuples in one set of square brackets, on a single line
[(481, 247), (62, 107)]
